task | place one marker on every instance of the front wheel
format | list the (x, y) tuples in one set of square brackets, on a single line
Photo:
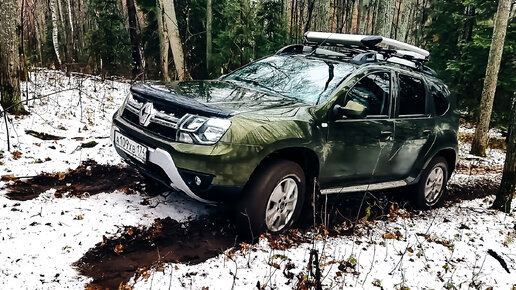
[(274, 198), (432, 185)]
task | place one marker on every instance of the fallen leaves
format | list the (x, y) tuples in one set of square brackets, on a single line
[(9, 177), (89, 144), (392, 236), (43, 136), (287, 240), (16, 155), (119, 249)]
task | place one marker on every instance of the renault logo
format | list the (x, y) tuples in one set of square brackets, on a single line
[(146, 114)]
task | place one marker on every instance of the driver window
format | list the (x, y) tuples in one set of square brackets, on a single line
[(370, 96)]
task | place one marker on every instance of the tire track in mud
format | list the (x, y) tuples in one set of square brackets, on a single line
[(113, 262)]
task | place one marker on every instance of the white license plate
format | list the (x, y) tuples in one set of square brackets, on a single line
[(131, 147)]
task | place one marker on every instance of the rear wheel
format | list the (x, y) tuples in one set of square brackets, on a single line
[(274, 198), (432, 185)]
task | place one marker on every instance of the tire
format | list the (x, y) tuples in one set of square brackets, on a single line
[(266, 207), (432, 185)]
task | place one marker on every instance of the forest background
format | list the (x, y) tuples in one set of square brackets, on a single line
[(201, 39)]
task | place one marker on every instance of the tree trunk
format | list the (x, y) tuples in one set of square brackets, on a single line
[(321, 15), (478, 147), (72, 38), (208, 35), (406, 11), (135, 40), (171, 24), (350, 5), (10, 62), (340, 15), (55, 39), (467, 33), (384, 17), (163, 42), (507, 188), (24, 73), (38, 41), (311, 4)]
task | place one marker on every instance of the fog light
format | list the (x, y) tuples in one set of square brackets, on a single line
[(197, 180)]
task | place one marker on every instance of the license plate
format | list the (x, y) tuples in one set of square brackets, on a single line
[(132, 148)]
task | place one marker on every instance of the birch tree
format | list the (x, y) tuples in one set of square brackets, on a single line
[(10, 61), (478, 147), (55, 38)]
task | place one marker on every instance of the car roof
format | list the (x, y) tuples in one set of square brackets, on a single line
[(357, 58)]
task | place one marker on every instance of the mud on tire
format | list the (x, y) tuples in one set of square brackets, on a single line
[(274, 198)]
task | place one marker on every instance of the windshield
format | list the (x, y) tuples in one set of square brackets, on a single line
[(307, 79)]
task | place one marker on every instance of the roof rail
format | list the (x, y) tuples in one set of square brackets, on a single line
[(399, 52)]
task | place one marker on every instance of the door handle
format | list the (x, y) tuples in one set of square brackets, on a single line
[(385, 133), (385, 136)]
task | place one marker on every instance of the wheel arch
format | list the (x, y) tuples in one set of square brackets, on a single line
[(451, 158), (305, 157)]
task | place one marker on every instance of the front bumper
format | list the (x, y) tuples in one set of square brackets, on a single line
[(163, 160), (223, 168)]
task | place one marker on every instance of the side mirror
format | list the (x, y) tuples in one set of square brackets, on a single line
[(351, 110)]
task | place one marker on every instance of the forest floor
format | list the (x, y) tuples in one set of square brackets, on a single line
[(72, 215)]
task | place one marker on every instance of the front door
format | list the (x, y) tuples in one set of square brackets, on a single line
[(359, 141)]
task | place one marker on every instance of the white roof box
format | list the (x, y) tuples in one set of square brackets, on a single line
[(365, 41)]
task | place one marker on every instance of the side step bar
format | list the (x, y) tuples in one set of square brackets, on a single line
[(364, 187)]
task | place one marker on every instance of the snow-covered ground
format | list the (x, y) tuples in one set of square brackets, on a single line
[(434, 250), (41, 238)]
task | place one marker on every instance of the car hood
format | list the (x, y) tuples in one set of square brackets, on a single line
[(215, 98)]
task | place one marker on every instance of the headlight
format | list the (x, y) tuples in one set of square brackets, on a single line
[(202, 130), (122, 107)]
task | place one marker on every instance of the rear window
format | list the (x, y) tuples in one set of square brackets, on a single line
[(412, 96), (440, 96)]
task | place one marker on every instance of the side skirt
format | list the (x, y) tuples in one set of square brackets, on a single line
[(365, 187)]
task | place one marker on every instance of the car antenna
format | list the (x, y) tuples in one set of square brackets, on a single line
[(314, 48)]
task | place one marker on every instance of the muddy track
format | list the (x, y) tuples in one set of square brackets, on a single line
[(115, 261), (88, 179)]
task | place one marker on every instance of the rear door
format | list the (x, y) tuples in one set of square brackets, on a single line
[(414, 132)]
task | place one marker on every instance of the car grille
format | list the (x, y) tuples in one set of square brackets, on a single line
[(164, 122)]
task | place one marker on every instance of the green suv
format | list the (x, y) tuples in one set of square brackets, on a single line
[(362, 113)]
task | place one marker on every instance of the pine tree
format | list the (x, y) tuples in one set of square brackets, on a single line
[(108, 41)]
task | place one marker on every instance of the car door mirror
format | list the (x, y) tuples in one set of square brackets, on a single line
[(351, 110)]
